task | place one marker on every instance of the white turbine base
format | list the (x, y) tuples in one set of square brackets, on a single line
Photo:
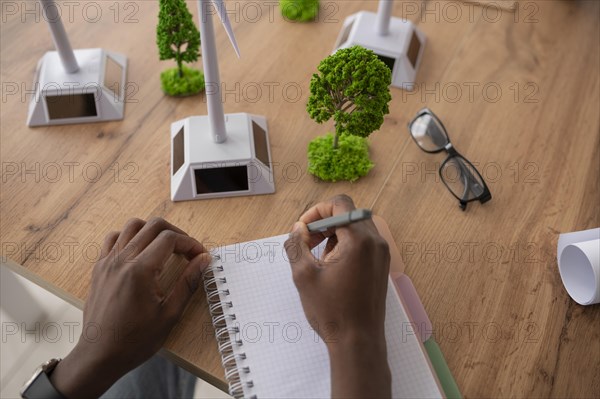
[(359, 29), (201, 168), (95, 93)]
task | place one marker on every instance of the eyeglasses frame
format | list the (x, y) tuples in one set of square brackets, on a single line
[(486, 195)]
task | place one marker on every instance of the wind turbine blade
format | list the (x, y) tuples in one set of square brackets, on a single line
[(222, 12)]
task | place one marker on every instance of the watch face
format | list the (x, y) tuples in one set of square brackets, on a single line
[(30, 381)]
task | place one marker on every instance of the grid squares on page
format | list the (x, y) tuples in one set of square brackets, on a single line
[(269, 314), (265, 300)]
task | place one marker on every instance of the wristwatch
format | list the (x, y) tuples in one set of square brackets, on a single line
[(39, 385)]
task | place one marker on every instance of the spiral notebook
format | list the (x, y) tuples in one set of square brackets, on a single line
[(267, 346)]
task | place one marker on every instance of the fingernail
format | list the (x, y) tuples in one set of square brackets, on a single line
[(297, 226)]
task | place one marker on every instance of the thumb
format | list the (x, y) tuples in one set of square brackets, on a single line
[(301, 259), (186, 286)]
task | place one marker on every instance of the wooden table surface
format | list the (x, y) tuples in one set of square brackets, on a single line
[(518, 93)]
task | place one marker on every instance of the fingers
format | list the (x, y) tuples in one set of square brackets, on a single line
[(302, 261), (335, 206), (132, 227), (186, 285), (138, 235), (109, 243), (167, 243), (149, 232)]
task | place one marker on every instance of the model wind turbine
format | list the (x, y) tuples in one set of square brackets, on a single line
[(76, 86), (397, 42), (219, 155)]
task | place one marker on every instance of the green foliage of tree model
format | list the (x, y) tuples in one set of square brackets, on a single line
[(352, 87), (178, 38), (348, 162), (299, 10), (192, 81)]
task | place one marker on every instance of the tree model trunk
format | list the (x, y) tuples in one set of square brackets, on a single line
[(179, 63)]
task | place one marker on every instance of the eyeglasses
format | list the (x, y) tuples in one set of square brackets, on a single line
[(458, 174)]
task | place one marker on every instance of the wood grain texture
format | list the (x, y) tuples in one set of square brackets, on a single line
[(488, 277)]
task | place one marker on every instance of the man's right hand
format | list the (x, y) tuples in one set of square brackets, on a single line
[(343, 294)]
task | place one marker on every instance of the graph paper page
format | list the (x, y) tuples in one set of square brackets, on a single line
[(285, 357)]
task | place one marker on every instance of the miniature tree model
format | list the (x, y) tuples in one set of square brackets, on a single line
[(178, 38), (352, 86), (299, 10)]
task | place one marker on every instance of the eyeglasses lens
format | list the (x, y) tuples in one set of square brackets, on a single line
[(462, 178), (428, 133)]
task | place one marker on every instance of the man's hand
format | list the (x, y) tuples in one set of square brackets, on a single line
[(343, 295), (127, 318)]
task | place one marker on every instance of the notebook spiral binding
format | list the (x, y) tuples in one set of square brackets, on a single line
[(221, 312)]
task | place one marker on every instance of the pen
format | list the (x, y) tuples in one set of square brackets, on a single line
[(339, 220)]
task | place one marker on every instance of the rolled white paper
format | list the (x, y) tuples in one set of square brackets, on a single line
[(578, 256)]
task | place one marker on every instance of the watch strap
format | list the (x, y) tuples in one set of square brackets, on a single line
[(41, 387)]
